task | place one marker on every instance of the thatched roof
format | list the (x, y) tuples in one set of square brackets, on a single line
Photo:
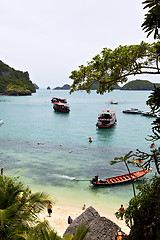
[(100, 227)]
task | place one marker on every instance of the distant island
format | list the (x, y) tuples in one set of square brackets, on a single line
[(132, 85), (65, 87), (139, 85), (15, 82)]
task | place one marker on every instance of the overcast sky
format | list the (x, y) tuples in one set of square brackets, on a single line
[(51, 38)]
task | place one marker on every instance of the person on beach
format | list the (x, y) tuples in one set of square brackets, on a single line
[(49, 209), (70, 220), (1, 171), (83, 206), (121, 211), (121, 235)]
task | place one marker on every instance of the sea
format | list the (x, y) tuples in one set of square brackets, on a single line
[(50, 151)]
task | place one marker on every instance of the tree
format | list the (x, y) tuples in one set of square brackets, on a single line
[(124, 159), (142, 214), (112, 67), (19, 208), (152, 18)]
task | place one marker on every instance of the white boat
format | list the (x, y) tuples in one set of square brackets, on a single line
[(1, 121), (132, 110)]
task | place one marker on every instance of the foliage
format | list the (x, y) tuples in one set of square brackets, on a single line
[(152, 18), (14, 79), (42, 231), (11, 89), (112, 67), (19, 207), (81, 232), (142, 214), (154, 155), (19, 210)]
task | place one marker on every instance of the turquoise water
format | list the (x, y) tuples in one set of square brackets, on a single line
[(65, 153)]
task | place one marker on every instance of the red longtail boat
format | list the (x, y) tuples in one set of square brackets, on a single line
[(119, 179)]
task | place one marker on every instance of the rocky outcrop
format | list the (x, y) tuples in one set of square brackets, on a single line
[(100, 227)]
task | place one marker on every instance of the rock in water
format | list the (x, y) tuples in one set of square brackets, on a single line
[(100, 227)]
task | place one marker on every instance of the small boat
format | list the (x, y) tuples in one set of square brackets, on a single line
[(1, 121), (55, 99), (149, 114), (61, 107), (106, 119), (134, 161), (114, 102), (119, 179), (132, 110)]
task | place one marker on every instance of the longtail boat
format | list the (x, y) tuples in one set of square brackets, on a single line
[(119, 179)]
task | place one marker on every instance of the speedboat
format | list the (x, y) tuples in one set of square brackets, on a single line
[(114, 102), (106, 119), (132, 110), (149, 114), (1, 121)]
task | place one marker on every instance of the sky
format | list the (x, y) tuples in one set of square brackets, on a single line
[(51, 38)]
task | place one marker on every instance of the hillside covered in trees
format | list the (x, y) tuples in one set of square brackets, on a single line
[(132, 85), (139, 85), (15, 82)]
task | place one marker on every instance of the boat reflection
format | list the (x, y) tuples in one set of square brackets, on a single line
[(105, 134)]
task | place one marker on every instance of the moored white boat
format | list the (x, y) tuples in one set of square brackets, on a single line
[(1, 121), (132, 110)]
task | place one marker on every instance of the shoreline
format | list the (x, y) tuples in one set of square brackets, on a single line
[(61, 211)]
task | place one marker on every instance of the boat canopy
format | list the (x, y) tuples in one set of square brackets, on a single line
[(107, 112), (60, 103)]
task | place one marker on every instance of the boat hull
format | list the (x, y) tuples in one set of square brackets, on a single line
[(61, 110), (106, 119), (106, 125), (148, 114), (120, 179), (61, 107)]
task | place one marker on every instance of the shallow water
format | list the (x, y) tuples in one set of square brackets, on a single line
[(64, 153)]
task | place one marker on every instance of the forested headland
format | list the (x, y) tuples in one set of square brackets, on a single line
[(15, 82)]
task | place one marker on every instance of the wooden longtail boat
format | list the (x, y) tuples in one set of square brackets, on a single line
[(119, 179)]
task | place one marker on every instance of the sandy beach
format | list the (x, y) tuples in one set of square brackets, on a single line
[(61, 211)]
